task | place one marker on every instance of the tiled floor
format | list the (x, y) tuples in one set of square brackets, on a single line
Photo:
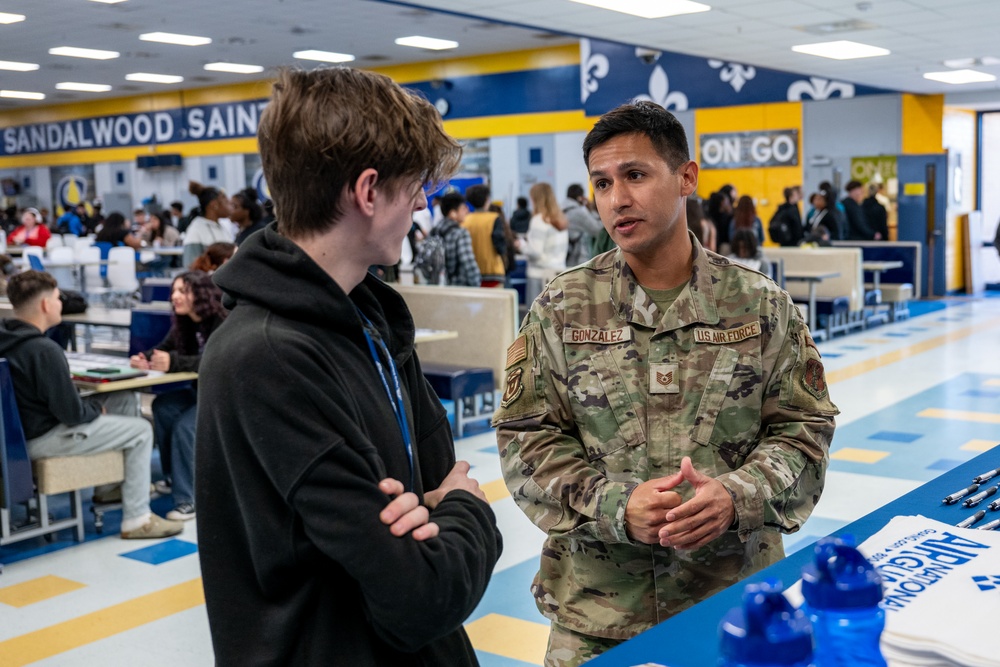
[(917, 397)]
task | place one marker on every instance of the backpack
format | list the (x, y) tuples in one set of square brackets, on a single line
[(430, 260), (778, 229)]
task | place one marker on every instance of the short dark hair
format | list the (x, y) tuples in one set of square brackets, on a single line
[(177, 205), (522, 202), (663, 129), (324, 127), (450, 202), (575, 191), (852, 185), (138, 211), (247, 197), (478, 195), (24, 287)]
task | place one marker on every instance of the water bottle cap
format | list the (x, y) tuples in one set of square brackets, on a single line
[(840, 577), (766, 629)]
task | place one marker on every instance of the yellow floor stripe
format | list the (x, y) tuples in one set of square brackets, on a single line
[(961, 415), (888, 358), (510, 637), (979, 445), (992, 383), (859, 455), (876, 341), (495, 490), (36, 590), (100, 624)]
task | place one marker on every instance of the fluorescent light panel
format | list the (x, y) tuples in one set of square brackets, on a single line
[(419, 42), (174, 38), (648, 9), (234, 68), (13, 66), (841, 50), (10, 18), (323, 56), (74, 52), (21, 95), (959, 76), (83, 87), (153, 78)]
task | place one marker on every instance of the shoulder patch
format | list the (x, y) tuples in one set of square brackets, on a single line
[(813, 379), (514, 387), (518, 351)]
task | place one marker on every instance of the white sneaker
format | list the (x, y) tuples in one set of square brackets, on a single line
[(183, 512)]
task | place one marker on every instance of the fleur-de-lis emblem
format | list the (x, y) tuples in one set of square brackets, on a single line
[(659, 92), (819, 89), (595, 66), (735, 74)]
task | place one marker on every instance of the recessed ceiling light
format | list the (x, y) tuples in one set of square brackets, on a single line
[(17, 67), (10, 18), (965, 63), (323, 56), (419, 42), (235, 68), (83, 87), (960, 76), (21, 95), (174, 38), (841, 50), (154, 78), (649, 9), (74, 52)]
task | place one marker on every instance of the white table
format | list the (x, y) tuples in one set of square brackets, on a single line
[(165, 251), (79, 362), (878, 268), (813, 278), (431, 335)]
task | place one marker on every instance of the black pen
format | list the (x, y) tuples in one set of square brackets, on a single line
[(965, 523), (992, 525), (958, 495), (972, 501), (979, 479)]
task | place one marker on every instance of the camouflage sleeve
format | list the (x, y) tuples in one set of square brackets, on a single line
[(545, 465), (781, 480)]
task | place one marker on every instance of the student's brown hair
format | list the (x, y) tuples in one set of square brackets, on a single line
[(23, 288), (322, 128)]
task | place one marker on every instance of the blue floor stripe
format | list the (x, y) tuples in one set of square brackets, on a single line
[(895, 436), (162, 552), (942, 465), (508, 593)]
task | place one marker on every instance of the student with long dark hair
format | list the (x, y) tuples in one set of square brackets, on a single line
[(206, 228), (198, 312)]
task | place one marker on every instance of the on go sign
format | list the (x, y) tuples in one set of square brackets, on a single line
[(732, 150)]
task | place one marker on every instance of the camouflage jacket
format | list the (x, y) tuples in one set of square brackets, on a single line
[(604, 392)]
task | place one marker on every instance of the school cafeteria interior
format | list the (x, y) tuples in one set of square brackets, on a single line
[(123, 102)]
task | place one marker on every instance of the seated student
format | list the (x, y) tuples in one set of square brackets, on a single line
[(158, 231), (207, 227), (31, 231), (746, 251), (56, 421), (116, 231), (198, 312), (214, 256)]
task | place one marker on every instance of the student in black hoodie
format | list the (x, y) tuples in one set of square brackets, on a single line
[(56, 421), (335, 526)]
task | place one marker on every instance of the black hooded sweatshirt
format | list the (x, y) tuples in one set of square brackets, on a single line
[(295, 431), (44, 391)]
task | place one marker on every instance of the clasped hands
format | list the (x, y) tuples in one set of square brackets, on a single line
[(160, 361), (404, 513), (655, 514)]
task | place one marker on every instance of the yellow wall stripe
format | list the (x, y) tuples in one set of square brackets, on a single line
[(923, 124), (961, 415), (494, 63), (917, 348), (89, 628), (529, 123), (129, 153)]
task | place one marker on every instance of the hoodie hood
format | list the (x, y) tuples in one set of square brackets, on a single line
[(274, 273), (14, 332)]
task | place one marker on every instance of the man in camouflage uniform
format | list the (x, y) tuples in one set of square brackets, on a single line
[(665, 414)]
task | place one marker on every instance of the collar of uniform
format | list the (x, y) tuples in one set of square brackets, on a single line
[(695, 304)]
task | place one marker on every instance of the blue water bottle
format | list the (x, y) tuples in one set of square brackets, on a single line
[(842, 592), (767, 631)]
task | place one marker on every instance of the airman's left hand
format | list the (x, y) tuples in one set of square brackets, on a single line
[(706, 516)]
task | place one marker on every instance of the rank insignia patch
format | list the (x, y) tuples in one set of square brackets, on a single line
[(813, 379), (663, 379), (514, 388)]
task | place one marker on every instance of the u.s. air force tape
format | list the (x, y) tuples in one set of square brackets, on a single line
[(724, 336)]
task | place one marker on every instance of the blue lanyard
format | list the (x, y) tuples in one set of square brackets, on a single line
[(398, 406)]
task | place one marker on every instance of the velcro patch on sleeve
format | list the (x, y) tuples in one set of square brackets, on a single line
[(517, 352)]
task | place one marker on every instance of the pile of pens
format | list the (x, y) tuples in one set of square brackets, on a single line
[(974, 500)]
